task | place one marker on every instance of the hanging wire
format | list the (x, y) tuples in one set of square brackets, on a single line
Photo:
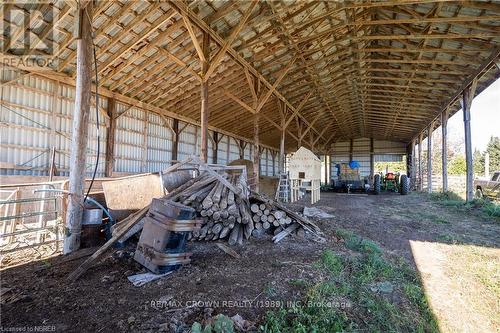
[(96, 111)]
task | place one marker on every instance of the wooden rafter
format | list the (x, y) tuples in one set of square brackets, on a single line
[(378, 68)]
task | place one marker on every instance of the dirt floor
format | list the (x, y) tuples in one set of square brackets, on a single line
[(413, 227)]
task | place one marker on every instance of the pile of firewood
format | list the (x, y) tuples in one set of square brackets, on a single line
[(222, 199), (268, 219), (269, 214), (225, 214)]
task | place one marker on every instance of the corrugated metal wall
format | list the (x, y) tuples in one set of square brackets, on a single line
[(130, 140), (234, 150), (222, 150), (386, 151), (36, 115), (340, 154), (187, 140), (248, 152), (159, 143), (361, 153)]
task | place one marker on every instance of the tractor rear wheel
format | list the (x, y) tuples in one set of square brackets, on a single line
[(376, 184), (405, 185)]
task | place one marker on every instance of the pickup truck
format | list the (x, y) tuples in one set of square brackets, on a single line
[(488, 188)]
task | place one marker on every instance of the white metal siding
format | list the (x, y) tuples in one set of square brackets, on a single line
[(186, 141), (159, 143), (234, 150), (248, 151), (129, 140), (383, 150), (262, 164), (222, 150), (389, 147), (35, 117)]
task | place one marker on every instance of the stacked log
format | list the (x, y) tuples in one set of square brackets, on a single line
[(223, 201), (225, 213), (267, 218)]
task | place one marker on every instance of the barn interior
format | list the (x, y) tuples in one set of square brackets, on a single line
[(99, 91)]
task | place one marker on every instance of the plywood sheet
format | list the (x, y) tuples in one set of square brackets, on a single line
[(129, 194)]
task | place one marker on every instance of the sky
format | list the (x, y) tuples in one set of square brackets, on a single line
[(485, 118)]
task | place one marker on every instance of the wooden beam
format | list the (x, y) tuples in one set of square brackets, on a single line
[(311, 125), (197, 46), (351, 149), (447, 20), (285, 70), (239, 101), (184, 11), (214, 62), (204, 97), (474, 76), (110, 138), (215, 148), (297, 110), (420, 170), (175, 141), (319, 136), (79, 133), (256, 152), (372, 159), (241, 148), (282, 141), (251, 81), (467, 97), (444, 150), (429, 158)]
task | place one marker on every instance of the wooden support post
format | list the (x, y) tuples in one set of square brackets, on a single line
[(175, 143), (267, 162), (281, 163), (144, 162), (467, 96), (273, 156), (110, 139), (429, 158), (411, 156), (444, 149), (52, 168), (256, 152), (299, 134), (351, 148), (372, 158), (54, 106), (420, 171), (204, 98), (79, 131), (215, 148), (242, 149), (326, 169), (330, 167)]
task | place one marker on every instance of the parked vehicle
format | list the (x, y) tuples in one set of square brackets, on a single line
[(488, 187), (391, 182)]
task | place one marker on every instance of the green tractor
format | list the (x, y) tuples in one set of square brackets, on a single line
[(391, 182)]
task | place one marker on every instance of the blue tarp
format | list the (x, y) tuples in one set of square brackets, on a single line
[(354, 164)]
